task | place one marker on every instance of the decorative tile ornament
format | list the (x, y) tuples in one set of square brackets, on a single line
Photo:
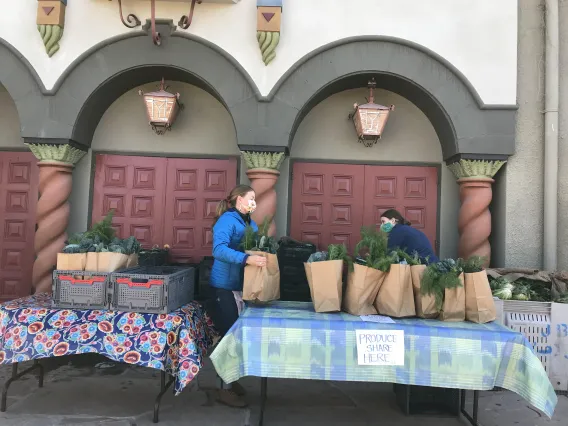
[(50, 23), (268, 18)]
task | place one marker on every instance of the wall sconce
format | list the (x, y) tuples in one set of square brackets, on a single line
[(370, 119), (162, 108)]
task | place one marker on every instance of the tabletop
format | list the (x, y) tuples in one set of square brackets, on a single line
[(289, 340), (177, 342)]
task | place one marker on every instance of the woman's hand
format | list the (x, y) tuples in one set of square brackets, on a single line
[(256, 261)]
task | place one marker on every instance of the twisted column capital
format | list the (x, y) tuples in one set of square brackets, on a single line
[(56, 154), (475, 169), (263, 160)]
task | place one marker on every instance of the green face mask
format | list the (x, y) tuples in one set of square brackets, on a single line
[(387, 227)]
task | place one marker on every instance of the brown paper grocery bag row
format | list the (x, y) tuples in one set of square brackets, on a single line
[(95, 262)]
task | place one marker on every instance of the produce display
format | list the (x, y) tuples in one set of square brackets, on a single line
[(525, 290)]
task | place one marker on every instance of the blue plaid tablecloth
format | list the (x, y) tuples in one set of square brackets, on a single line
[(176, 342), (289, 340)]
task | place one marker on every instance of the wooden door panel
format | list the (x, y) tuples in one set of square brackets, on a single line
[(19, 176), (327, 203), (134, 187), (413, 191), (194, 188)]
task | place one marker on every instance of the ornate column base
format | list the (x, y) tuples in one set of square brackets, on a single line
[(55, 181), (474, 222)]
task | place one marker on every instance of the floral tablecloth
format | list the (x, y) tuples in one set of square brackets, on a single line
[(176, 343)]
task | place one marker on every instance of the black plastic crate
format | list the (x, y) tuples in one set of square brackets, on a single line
[(155, 289), (153, 257), (425, 400), (293, 281), (81, 289)]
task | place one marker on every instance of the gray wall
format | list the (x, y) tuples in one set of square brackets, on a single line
[(563, 149), (204, 127), (327, 134), (9, 122)]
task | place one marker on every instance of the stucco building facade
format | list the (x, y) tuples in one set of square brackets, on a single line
[(466, 78)]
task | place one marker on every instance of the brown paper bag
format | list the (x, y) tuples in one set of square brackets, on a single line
[(479, 304), (326, 284), (105, 262), (132, 261), (71, 262), (363, 284), (262, 284), (396, 297), (453, 308), (425, 304)]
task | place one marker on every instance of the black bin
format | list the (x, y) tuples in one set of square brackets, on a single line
[(425, 400), (293, 282)]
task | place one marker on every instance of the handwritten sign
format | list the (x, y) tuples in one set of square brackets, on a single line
[(380, 347)]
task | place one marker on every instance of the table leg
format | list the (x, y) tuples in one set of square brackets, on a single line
[(15, 376), (163, 388), (472, 419), (263, 392)]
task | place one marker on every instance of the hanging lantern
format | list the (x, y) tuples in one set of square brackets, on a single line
[(162, 108), (370, 119)]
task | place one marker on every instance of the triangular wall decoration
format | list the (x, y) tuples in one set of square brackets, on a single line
[(268, 16), (47, 10)]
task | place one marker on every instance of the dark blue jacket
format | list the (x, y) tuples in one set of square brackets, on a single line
[(229, 263), (411, 240)]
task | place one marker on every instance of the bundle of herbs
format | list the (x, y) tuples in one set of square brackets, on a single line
[(412, 260), (259, 241), (441, 276), (373, 249), (473, 264)]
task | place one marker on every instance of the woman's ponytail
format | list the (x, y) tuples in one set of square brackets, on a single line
[(222, 207)]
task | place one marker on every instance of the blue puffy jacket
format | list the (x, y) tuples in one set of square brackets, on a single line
[(229, 263)]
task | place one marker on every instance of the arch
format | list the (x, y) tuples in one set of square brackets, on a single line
[(22, 83), (108, 70), (465, 125)]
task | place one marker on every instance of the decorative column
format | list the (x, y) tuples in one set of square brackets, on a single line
[(50, 23), (475, 178), (56, 164), (269, 16), (263, 174)]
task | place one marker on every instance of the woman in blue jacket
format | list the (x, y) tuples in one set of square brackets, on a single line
[(232, 216), (405, 237)]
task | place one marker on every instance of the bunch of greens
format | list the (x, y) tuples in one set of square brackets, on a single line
[(334, 252), (100, 239), (259, 241), (472, 264), (374, 244), (410, 260), (522, 289), (441, 276)]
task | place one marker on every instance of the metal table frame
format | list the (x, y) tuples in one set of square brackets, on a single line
[(472, 419), (164, 386)]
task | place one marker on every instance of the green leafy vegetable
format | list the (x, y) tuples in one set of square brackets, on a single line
[(375, 246), (441, 276), (472, 264), (259, 241)]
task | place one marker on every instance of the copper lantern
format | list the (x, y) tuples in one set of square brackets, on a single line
[(162, 108), (370, 119)]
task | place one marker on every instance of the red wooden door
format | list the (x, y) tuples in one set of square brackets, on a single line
[(194, 188), (327, 203), (135, 188), (18, 200), (413, 191)]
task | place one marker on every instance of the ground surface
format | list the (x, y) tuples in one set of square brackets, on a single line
[(80, 394)]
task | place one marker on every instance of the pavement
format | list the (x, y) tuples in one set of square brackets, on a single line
[(76, 392)]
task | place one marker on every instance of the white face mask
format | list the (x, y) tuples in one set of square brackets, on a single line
[(251, 207)]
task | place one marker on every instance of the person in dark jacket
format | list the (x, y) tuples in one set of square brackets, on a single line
[(405, 237), (226, 278)]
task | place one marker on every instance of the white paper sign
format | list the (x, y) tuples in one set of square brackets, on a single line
[(377, 318), (380, 347)]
